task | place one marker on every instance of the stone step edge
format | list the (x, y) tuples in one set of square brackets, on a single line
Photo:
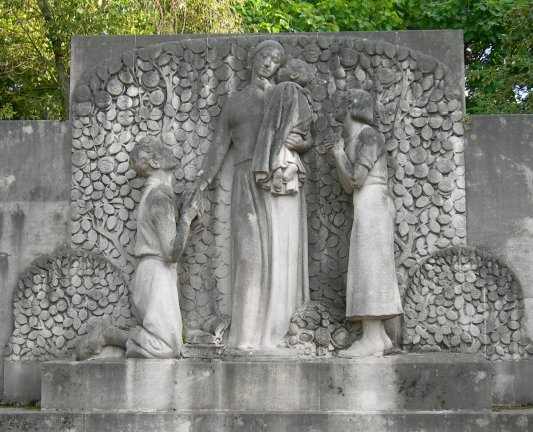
[(33, 411), (256, 412)]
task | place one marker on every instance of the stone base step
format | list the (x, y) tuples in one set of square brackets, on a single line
[(406, 382), (12, 420)]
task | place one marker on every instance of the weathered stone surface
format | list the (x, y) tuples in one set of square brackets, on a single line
[(423, 382), (465, 300), (499, 161), (59, 298), (512, 383), (22, 381), (34, 203), (17, 420), (35, 164), (444, 45), (166, 99), (319, 329)]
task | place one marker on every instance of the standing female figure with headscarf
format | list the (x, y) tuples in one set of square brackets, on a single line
[(372, 293)]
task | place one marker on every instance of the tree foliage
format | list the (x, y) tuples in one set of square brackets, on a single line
[(498, 37), (35, 41), (323, 15), (35, 38)]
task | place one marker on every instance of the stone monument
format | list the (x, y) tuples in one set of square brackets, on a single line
[(268, 233)]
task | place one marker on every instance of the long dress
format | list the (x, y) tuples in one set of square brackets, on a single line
[(154, 292), (269, 277), (288, 112), (372, 286)]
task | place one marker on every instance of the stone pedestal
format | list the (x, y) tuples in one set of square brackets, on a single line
[(430, 392), (410, 382)]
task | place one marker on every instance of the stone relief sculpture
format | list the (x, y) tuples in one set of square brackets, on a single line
[(277, 164), (466, 300), (158, 245), (372, 293), (60, 299), (207, 99), (268, 227), (285, 133)]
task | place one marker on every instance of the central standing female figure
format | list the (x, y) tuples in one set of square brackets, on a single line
[(257, 229)]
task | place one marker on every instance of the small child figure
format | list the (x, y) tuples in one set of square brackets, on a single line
[(158, 245), (285, 131)]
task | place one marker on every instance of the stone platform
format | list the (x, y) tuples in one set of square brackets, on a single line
[(406, 382), (12, 420)]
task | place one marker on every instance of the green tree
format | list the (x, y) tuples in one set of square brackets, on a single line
[(497, 34), (498, 40), (502, 81), (322, 15), (35, 41)]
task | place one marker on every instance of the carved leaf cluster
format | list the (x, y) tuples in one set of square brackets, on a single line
[(462, 300), (58, 299)]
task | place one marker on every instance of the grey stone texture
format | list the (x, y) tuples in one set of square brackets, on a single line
[(59, 298), (12, 420), (177, 90), (22, 381), (34, 197), (464, 300), (412, 382), (34, 203), (499, 173), (512, 383), (445, 45)]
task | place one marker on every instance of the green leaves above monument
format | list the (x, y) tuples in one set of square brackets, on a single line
[(35, 39)]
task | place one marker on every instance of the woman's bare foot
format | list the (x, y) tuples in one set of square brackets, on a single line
[(374, 341)]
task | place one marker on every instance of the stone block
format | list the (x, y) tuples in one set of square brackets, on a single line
[(22, 381), (513, 383), (439, 421), (499, 162), (423, 382)]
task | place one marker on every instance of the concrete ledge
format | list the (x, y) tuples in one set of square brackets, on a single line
[(513, 385), (410, 382), (437, 421), (22, 381)]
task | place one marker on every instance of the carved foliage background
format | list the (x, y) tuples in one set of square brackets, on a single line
[(465, 300), (176, 90), (59, 298)]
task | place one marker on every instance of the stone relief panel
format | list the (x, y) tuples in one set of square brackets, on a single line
[(319, 329), (176, 90), (464, 300), (59, 298)]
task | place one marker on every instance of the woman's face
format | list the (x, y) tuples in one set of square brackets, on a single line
[(267, 61)]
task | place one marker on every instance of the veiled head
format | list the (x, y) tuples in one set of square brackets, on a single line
[(266, 58)]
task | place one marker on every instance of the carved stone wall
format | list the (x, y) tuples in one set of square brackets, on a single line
[(176, 90), (57, 300), (464, 300)]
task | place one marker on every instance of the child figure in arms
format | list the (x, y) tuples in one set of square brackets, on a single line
[(286, 124)]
